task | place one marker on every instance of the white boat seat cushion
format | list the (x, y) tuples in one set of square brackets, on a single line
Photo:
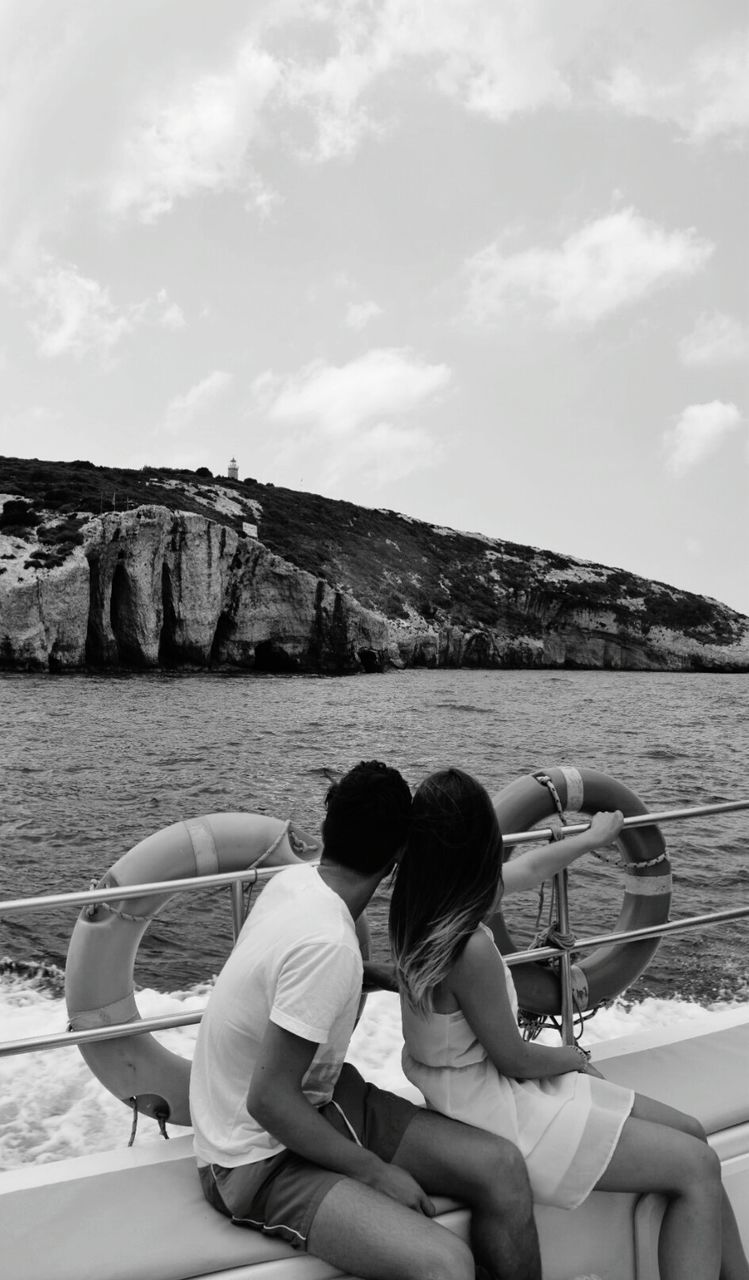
[(704, 1075), (121, 1216)]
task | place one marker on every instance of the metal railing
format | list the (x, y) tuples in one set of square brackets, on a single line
[(234, 881)]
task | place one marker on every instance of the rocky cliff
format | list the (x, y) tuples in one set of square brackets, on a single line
[(196, 572)]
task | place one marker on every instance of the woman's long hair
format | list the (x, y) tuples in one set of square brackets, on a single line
[(446, 882)]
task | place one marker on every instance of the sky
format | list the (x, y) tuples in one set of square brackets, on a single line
[(482, 262)]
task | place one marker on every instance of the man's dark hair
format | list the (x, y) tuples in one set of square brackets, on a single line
[(366, 819)]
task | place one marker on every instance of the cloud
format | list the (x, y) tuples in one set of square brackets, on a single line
[(339, 399), (503, 60), (75, 314), (317, 80), (184, 409), (698, 434), (359, 314), (195, 134), (500, 61), (331, 67), (708, 99), (496, 61), (350, 418), (383, 453), (609, 263), (715, 339), (172, 317), (195, 137), (191, 121)]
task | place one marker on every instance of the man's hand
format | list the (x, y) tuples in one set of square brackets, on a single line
[(399, 1185), (276, 1100)]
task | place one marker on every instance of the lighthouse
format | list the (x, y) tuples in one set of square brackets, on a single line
[(233, 471)]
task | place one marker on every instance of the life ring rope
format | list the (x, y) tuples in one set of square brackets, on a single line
[(123, 915), (272, 847), (545, 781)]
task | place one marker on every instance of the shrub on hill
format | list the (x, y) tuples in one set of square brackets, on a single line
[(16, 515)]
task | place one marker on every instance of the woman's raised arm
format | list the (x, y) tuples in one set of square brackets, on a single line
[(529, 869)]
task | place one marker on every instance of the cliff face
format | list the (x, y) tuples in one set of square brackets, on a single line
[(161, 586), (153, 588), (43, 617)]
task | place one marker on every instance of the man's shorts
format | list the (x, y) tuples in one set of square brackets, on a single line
[(282, 1195)]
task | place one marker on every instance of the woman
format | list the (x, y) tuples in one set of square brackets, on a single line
[(464, 1051)]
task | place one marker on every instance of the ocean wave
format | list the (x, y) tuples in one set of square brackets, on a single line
[(32, 974), (324, 771), (466, 706), (663, 753)]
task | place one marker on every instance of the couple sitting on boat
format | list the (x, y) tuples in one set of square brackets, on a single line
[(290, 1140)]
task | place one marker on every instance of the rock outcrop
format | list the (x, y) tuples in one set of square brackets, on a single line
[(153, 588), (156, 586)]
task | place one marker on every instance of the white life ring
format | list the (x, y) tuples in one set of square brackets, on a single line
[(99, 982), (608, 970)]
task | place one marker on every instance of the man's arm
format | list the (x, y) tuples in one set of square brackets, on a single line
[(379, 976), (276, 1100)]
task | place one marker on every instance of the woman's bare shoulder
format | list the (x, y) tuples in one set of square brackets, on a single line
[(478, 951)]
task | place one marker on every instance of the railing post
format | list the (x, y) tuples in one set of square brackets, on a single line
[(565, 960), (236, 893)]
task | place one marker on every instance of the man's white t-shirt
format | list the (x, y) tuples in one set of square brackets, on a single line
[(297, 964)]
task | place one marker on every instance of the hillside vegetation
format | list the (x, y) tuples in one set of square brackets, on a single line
[(406, 571)]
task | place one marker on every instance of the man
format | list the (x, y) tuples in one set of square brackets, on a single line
[(291, 1141)]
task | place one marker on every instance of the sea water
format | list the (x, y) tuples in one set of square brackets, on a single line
[(92, 764)]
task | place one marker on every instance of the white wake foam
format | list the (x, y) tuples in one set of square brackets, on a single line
[(51, 1106)]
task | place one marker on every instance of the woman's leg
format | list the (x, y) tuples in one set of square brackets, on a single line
[(734, 1265), (656, 1157), (658, 1113)]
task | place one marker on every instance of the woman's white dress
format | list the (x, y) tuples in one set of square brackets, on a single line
[(566, 1127)]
